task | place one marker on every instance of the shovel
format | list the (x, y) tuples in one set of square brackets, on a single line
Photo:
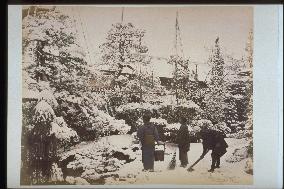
[(190, 169)]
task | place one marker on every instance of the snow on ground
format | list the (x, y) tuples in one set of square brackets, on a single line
[(229, 173), (131, 173)]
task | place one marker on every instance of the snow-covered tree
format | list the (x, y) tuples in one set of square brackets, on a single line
[(41, 146), (49, 39), (217, 62), (240, 89), (52, 54), (215, 97), (124, 47), (181, 76)]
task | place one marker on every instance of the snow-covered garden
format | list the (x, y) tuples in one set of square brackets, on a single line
[(83, 122)]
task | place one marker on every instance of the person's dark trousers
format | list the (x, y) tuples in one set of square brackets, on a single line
[(215, 160), (183, 157)]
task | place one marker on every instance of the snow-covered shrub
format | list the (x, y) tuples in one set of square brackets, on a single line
[(170, 131), (65, 135), (43, 112), (202, 123), (241, 134), (106, 125), (172, 127), (172, 113), (92, 123), (131, 112), (237, 126), (118, 126), (62, 95), (239, 108), (98, 100), (44, 85), (159, 122), (207, 124), (137, 107), (222, 126), (48, 96), (158, 97), (189, 104), (198, 125)]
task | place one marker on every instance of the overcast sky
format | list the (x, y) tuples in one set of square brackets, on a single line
[(199, 27)]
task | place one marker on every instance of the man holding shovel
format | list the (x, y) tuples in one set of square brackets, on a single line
[(212, 140), (218, 150), (208, 138)]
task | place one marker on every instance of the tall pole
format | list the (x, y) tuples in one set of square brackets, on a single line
[(176, 37), (85, 37), (176, 88)]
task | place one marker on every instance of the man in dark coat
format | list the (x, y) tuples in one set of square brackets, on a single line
[(147, 135), (208, 140), (213, 140), (219, 149), (183, 142)]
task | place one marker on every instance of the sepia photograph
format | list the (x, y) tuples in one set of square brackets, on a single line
[(128, 95)]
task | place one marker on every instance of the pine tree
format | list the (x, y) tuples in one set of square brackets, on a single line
[(124, 48), (181, 76), (49, 40), (217, 62), (215, 98), (41, 147)]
